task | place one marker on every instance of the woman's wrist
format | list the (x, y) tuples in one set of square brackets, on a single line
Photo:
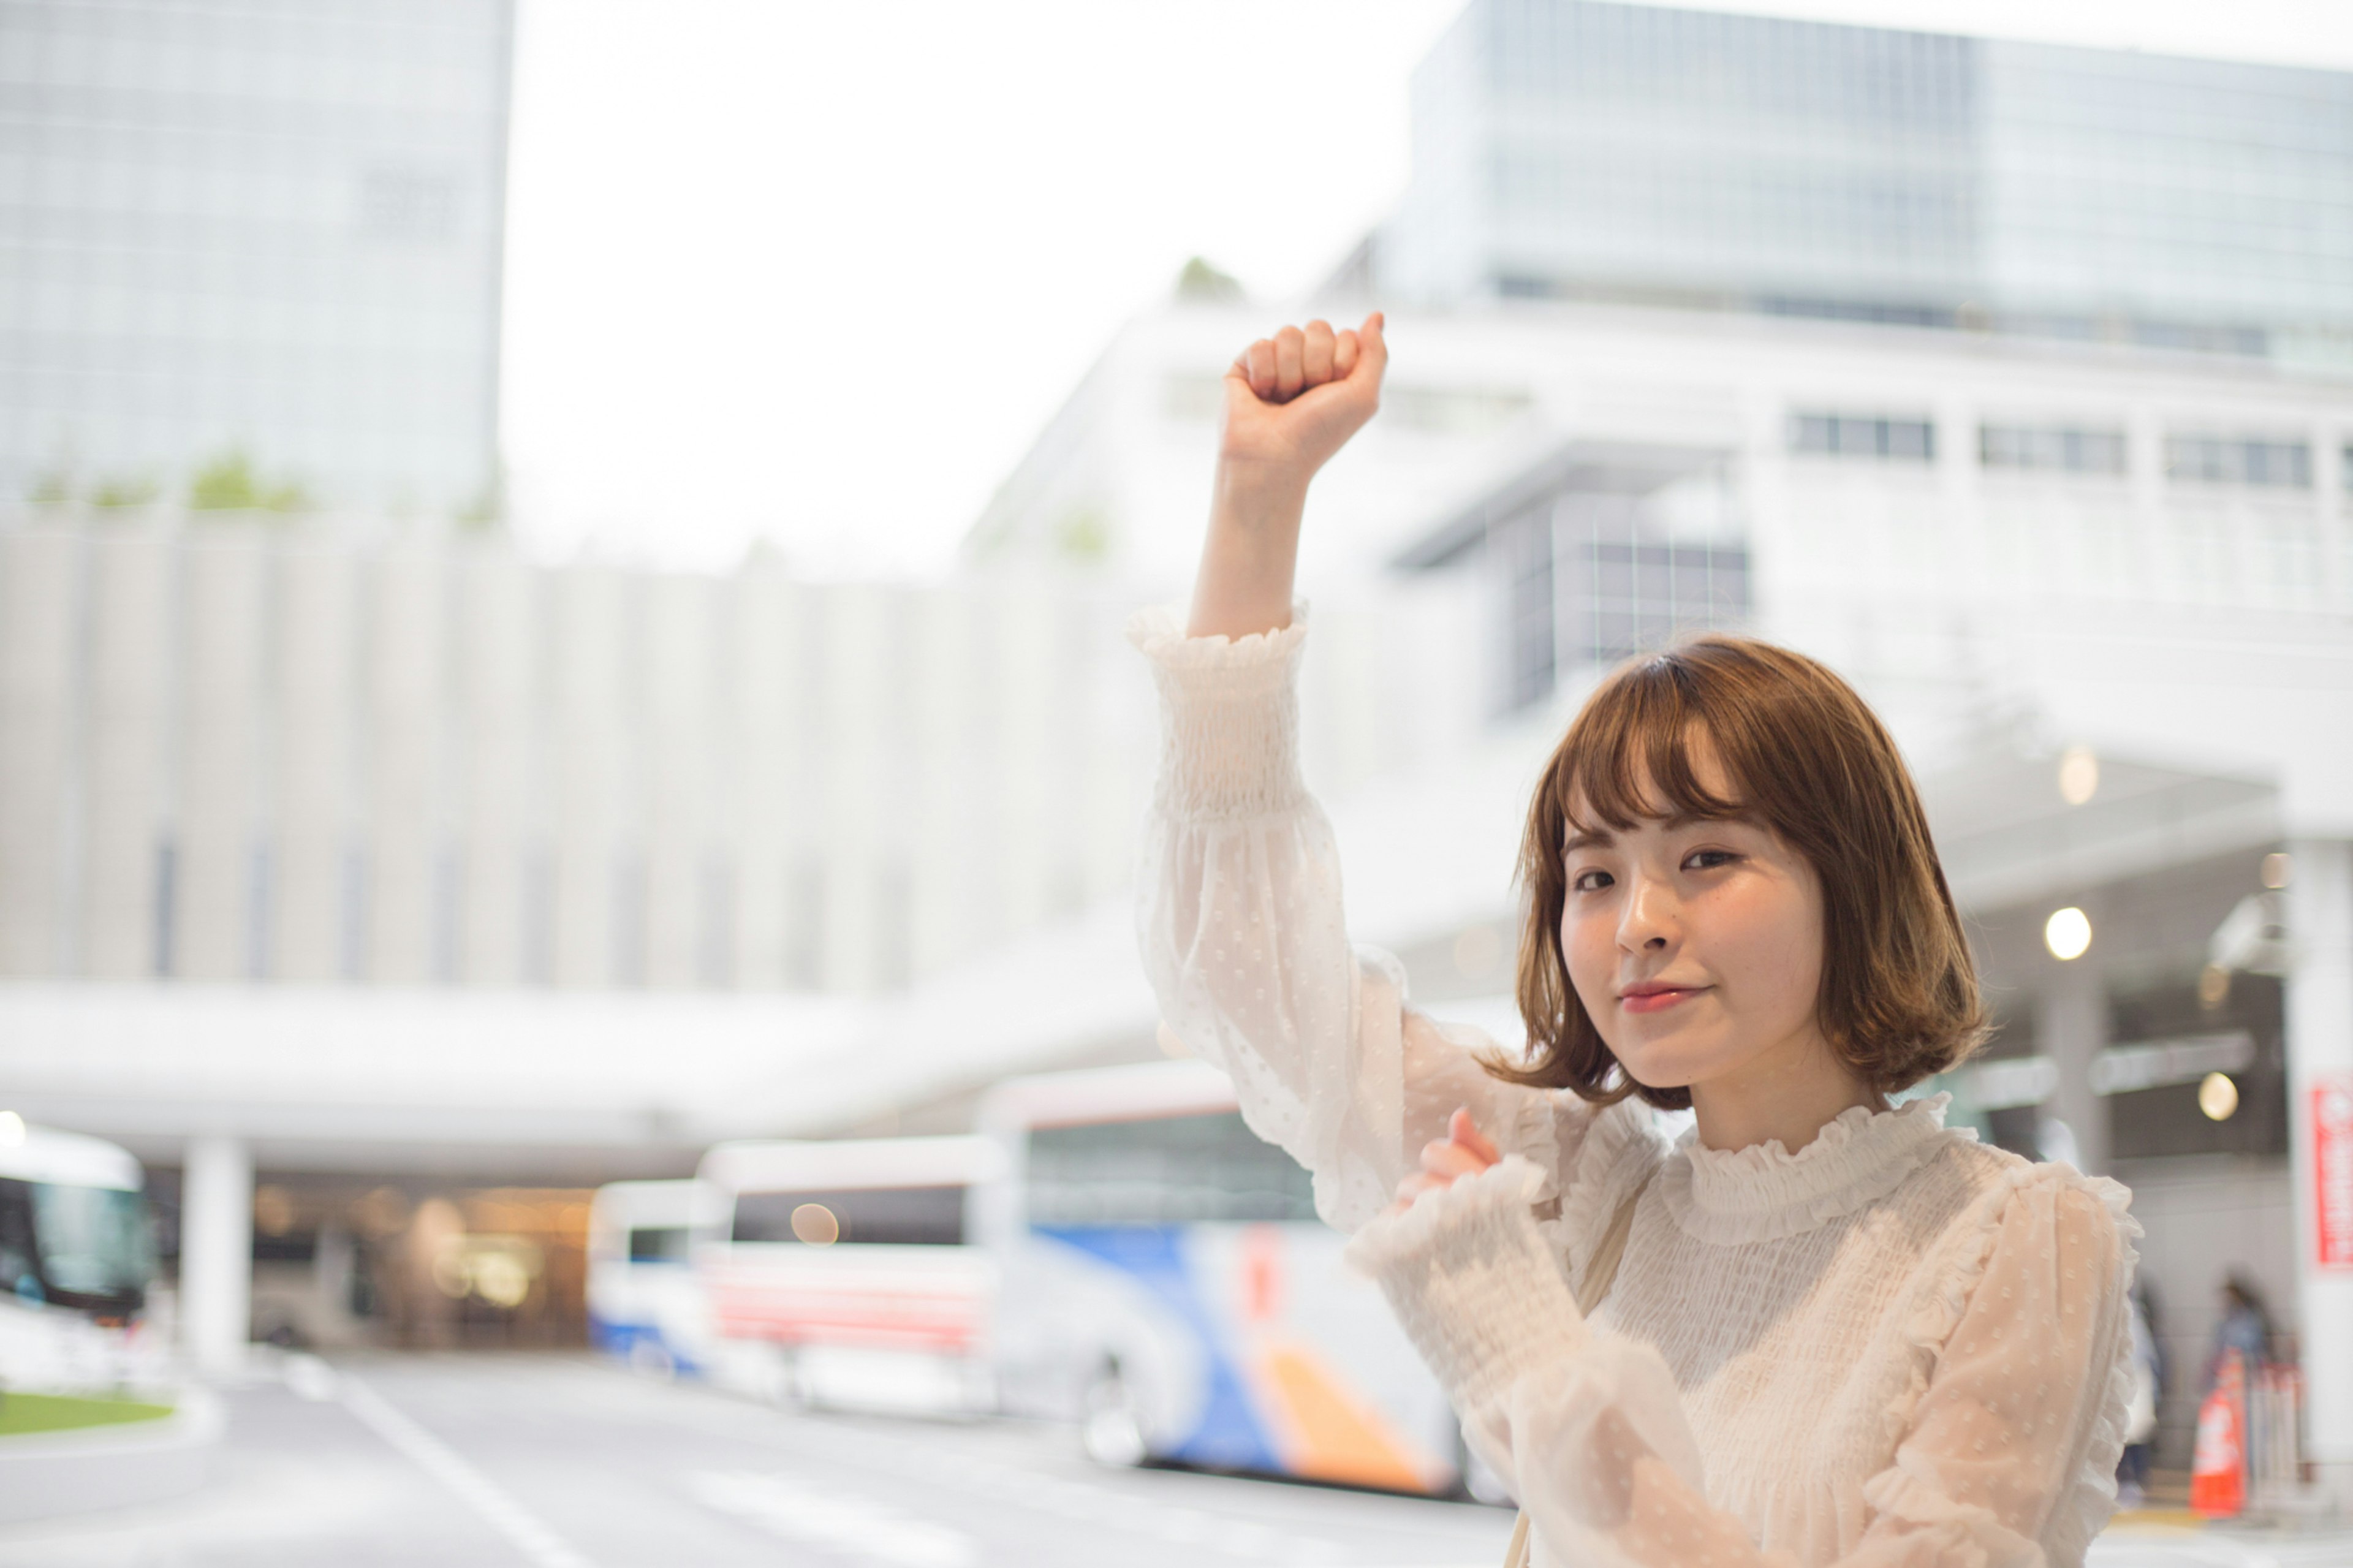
[(1250, 554)]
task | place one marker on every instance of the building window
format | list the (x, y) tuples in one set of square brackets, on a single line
[(2054, 447), (1523, 553), (1863, 436), (1628, 596), (2237, 460)]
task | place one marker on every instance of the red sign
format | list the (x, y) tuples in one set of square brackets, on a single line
[(2332, 1171)]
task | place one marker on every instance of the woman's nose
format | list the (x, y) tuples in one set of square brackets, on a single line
[(1649, 919)]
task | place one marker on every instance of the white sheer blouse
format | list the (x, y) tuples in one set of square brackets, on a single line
[(1894, 1348)]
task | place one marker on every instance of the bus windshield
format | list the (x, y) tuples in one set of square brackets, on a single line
[(93, 1240)]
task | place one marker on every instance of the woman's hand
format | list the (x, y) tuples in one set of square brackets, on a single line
[(1291, 401), (1463, 1151)]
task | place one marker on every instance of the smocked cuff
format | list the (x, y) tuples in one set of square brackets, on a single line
[(1473, 1281), (1230, 707)]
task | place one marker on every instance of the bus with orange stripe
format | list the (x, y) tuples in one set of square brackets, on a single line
[(1164, 1283), (1112, 1247)]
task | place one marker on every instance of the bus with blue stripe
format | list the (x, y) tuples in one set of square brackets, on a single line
[(1164, 1284)]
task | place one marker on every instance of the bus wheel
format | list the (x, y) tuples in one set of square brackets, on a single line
[(1111, 1431)]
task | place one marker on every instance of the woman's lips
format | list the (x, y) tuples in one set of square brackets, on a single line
[(1657, 1000)]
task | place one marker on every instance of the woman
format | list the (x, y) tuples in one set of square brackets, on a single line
[(1820, 1329)]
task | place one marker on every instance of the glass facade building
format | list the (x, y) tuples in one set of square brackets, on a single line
[(1568, 149), (270, 228)]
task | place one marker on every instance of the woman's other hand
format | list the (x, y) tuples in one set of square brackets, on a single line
[(1463, 1151)]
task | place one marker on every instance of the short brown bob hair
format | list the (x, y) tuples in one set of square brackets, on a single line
[(1810, 760)]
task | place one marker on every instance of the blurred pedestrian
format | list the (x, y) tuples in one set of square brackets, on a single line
[(2247, 1328), (2140, 1413)]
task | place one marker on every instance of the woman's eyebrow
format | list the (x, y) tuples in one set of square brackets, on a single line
[(1597, 839)]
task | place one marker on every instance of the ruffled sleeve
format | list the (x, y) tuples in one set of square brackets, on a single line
[(1240, 928), (2007, 1452)]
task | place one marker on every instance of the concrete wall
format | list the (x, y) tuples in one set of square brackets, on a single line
[(236, 750)]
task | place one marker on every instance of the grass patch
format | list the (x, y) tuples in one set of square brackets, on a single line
[(24, 1412)]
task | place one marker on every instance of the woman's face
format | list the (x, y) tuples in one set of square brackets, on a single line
[(1696, 946)]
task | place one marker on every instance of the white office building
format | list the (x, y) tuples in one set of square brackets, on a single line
[(268, 230)]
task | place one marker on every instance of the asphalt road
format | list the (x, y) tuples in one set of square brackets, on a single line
[(558, 1462), (553, 1462)]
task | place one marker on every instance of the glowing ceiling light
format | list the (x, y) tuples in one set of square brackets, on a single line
[(2067, 933), (2218, 1097), (816, 1224), (2079, 775), (12, 1130)]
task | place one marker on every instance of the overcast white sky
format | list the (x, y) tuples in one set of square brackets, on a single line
[(819, 272)]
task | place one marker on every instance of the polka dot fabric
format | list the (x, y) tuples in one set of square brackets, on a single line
[(1894, 1348)]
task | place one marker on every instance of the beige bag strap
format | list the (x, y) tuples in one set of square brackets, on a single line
[(1591, 1291), (1601, 1272)]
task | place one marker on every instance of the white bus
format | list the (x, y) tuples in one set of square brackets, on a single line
[(76, 1256), (645, 1304), (1114, 1248), (847, 1273), (1167, 1285)]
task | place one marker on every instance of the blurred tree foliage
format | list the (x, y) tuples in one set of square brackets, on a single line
[(126, 491), (1083, 535), (1201, 284), (228, 483)]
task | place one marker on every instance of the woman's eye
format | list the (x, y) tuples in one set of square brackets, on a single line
[(1708, 859), (1589, 882)]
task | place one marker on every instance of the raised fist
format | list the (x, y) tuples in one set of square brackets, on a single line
[(1294, 399)]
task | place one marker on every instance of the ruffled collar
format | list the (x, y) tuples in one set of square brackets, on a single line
[(1764, 1191)]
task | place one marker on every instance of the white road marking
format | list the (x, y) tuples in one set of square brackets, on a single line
[(524, 1530), (1163, 1521), (833, 1520)]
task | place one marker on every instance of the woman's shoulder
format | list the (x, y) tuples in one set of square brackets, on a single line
[(1991, 1182), (1993, 1199)]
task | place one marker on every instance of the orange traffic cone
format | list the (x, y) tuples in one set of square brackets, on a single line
[(2218, 1470)]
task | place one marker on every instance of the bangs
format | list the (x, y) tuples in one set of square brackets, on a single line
[(1628, 757)]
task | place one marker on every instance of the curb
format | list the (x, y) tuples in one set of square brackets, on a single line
[(109, 1467)]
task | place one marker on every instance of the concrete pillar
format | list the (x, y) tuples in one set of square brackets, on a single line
[(1027, 731), (38, 572), (497, 632), (219, 734), (122, 769), (217, 1253), (310, 814), (764, 778), (854, 715), (675, 678), (2071, 1027), (946, 829), (585, 771), (406, 903), (2320, 1056)]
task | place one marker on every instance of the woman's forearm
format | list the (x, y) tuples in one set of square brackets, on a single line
[(1250, 554)]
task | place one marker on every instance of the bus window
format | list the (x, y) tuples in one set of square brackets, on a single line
[(1171, 1170), (19, 1266), (659, 1244), (878, 1216), (93, 1240)]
